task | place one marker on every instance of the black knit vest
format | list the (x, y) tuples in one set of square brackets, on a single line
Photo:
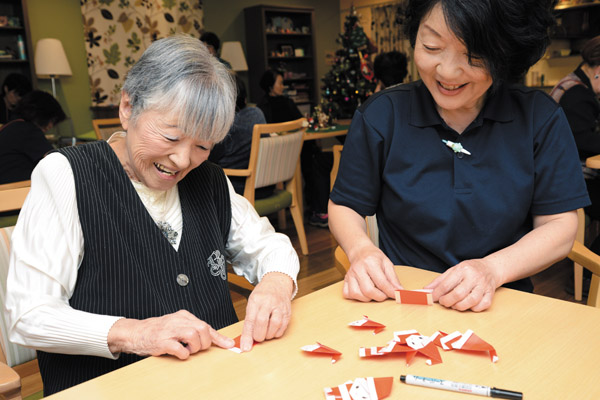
[(129, 268)]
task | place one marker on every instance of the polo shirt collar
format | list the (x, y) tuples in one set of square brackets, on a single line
[(497, 107)]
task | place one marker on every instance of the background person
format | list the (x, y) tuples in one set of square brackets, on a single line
[(469, 175), (315, 164), (390, 69), (577, 93), (102, 271), (22, 141), (234, 150), (211, 40), (14, 87)]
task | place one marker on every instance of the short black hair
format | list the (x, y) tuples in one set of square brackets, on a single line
[(40, 108), (509, 36), (17, 82), (268, 79), (591, 52), (211, 39), (390, 67), (240, 100)]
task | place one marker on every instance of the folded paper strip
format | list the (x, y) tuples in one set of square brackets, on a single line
[(361, 388)]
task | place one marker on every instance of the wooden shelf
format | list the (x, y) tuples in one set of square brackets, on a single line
[(261, 42), (9, 36)]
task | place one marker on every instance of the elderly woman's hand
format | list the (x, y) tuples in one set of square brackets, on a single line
[(371, 276), (179, 334), (469, 285), (269, 310)]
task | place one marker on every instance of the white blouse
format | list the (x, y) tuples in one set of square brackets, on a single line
[(47, 250)]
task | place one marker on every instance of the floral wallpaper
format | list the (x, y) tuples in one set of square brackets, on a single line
[(118, 31)]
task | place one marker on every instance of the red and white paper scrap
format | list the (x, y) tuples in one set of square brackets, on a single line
[(420, 296), (237, 347), (361, 389), (368, 324), (410, 342), (322, 349), (467, 341)]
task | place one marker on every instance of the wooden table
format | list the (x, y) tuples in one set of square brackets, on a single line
[(593, 162), (549, 349)]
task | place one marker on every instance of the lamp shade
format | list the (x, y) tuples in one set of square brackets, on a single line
[(233, 53), (50, 58)]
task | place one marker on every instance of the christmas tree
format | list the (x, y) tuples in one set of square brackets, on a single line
[(350, 80)]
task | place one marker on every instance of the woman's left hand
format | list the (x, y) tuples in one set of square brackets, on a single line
[(269, 310), (469, 285)]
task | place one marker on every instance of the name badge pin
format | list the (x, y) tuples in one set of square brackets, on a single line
[(456, 147)]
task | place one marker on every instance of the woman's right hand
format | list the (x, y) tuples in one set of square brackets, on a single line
[(179, 334), (371, 276)]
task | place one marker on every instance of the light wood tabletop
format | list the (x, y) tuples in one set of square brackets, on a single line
[(547, 349), (593, 162)]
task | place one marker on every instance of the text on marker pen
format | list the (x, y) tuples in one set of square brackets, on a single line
[(461, 387)]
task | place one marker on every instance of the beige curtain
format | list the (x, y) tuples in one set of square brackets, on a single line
[(117, 32)]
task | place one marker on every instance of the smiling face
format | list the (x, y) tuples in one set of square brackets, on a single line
[(155, 151), (458, 87)]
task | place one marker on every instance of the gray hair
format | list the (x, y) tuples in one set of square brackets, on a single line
[(178, 74)]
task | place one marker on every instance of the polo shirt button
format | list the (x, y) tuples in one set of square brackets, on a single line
[(460, 155), (183, 280)]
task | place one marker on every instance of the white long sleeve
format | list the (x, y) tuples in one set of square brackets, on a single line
[(47, 249)]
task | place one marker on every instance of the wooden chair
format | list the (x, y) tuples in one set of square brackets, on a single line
[(337, 156), (19, 371), (584, 257), (273, 160), (106, 127)]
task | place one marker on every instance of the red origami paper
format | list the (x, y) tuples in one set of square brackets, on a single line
[(237, 347), (467, 341), (410, 342), (322, 349), (421, 296), (367, 323), (361, 388)]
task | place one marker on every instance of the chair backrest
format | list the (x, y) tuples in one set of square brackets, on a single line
[(337, 156), (12, 195), (274, 158), (106, 127)]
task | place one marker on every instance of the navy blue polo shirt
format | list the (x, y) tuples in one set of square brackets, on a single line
[(436, 208)]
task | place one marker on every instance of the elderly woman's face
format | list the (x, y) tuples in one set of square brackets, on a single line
[(441, 59), (158, 154)]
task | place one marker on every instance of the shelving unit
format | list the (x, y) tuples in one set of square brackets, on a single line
[(282, 38), (577, 22), (16, 24)]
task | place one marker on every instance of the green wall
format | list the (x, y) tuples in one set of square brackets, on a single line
[(61, 19)]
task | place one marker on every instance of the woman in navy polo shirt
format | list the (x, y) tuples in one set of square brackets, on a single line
[(469, 175)]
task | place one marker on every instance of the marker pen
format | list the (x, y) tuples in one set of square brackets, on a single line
[(461, 387)]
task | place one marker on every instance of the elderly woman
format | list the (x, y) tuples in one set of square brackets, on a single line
[(120, 248), (469, 175)]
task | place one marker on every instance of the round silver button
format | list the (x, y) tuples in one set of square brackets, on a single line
[(183, 280), (460, 155)]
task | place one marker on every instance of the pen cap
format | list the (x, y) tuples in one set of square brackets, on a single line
[(505, 394)]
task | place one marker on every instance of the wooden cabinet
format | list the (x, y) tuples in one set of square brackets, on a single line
[(14, 27), (284, 38)]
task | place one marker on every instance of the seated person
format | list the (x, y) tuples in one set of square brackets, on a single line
[(14, 87), (470, 175), (389, 69), (315, 164), (22, 141), (234, 150), (212, 42), (103, 272)]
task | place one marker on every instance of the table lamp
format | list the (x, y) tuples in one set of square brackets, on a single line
[(233, 53), (51, 60)]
